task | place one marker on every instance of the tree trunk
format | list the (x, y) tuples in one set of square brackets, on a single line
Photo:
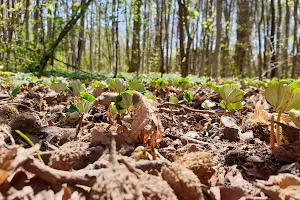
[(81, 40), (295, 42), (272, 40), (51, 48), (286, 41), (218, 39), (135, 52), (243, 36)]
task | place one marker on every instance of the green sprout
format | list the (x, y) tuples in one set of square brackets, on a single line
[(27, 139), (283, 98), (232, 97)]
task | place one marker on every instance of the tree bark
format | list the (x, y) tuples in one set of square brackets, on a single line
[(135, 52), (218, 39), (51, 48)]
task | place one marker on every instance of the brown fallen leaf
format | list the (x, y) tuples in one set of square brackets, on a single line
[(146, 125), (281, 187)]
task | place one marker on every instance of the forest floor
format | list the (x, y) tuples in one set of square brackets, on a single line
[(157, 151)]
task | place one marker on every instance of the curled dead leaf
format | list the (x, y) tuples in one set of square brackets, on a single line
[(146, 124), (280, 187), (260, 116)]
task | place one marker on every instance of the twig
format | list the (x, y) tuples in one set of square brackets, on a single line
[(22, 157), (113, 150), (87, 177), (54, 176), (9, 135), (78, 126), (167, 104), (192, 140)]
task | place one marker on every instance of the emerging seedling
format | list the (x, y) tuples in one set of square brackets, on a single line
[(283, 98), (28, 140), (232, 97)]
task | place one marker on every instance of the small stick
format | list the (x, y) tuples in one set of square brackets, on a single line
[(79, 125), (9, 135), (113, 150), (167, 104)]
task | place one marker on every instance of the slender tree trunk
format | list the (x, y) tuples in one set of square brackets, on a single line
[(260, 60), (218, 39), (272, 40), (278, 39), (99, 37), (243, 36), (295, 42), (135, 52), (286, 42), (27, 4), (67, 28), (81, 40)]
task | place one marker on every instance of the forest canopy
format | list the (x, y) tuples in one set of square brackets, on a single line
[(258, 38)]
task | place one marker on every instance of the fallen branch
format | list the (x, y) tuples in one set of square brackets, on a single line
[(187, 109), (55, 177), (21, 158), (88, 177)]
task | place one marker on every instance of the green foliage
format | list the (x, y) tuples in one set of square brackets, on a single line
[(86, 96), (183, 83), (73, 108), (282, 97), (84, 106), (232, 97), (116, 84), (28, 140), (59, 86), (76, 87), (212, 85), (100, 84), (136, 85), (160, 83), (173, 99), (15, 92), (187, 96)]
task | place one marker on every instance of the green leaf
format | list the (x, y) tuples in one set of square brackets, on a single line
[(84, 106), (100, 84), (15, 92), (76, 87), (150, 96), (87, 96), (282, 97), (173, 99), (187, 96), (58, 86), (136, 85), (231, 93), (118, 85), (295, 117), (73, 108), (126, 101), (113, 108), (117, 102), (231, 106)]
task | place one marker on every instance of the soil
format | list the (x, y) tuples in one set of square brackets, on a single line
[(163, 153)]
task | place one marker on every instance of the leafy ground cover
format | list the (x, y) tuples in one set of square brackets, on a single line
[(148, 137)]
